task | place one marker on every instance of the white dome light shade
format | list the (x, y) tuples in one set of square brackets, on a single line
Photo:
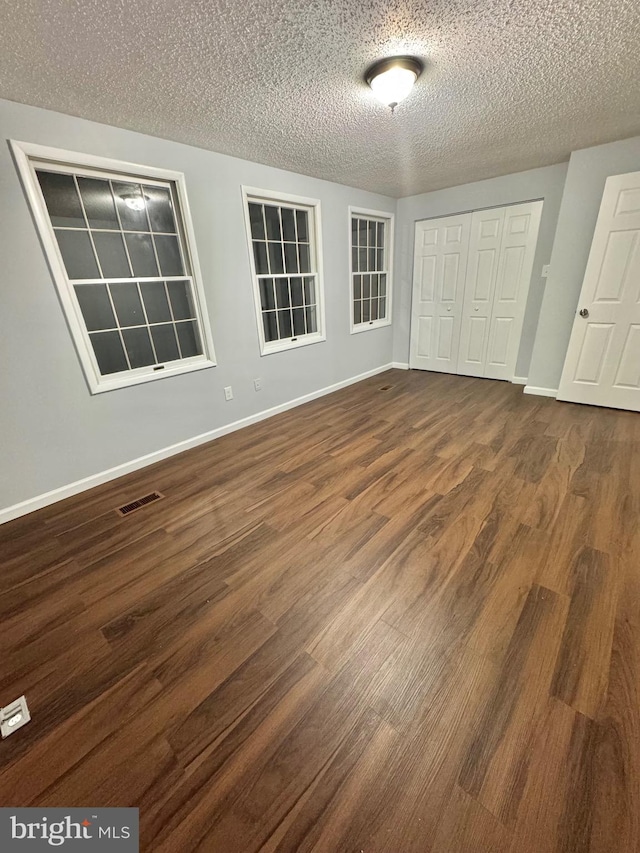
[(392, 79)]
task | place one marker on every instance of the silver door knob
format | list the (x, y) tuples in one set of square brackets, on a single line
[(448, 309), (584, 312), (475, 309)]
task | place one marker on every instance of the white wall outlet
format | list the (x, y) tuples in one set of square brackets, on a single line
[(257, 384), (14, 716), (545, 270), (228, 393)]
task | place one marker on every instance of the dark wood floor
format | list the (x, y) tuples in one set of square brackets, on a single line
[(397, 619)]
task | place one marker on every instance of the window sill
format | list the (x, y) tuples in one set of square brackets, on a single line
[(106, 384), (283, 346), (366, 327)]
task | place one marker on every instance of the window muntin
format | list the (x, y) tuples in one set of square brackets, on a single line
[(282, 238), (123, 262), (370, 269)]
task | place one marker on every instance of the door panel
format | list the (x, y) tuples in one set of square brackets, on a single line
[(440, 266), (515, 265), (602, 365), (484, 253)]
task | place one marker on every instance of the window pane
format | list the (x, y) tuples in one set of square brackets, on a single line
[(382, 309), (309, 291), (111, 254), (169, 255), (181, 300), (164, 340), (282, 292), (131, 206), (380, 259), (275, 257), (98, 203), (189, 339), (291, 257), (155, 301), (109, 353), (374, 309), (362, 259), (373, 230), (267, 296), (374, 285), (270, 326), (365, 311), (77, 254), (298, 321), (354, 231), (297, 296), (160, 209), (62, 200), (127, 303), (383, 285), (256, 220), (273, 222), (312, 322), (288, 224), (138, 346), (302, 220), (305, 263), (354, 260), (284, 319), (357, 312), (260, 257), (95, 306), (357, 287), (372, 259), (362, 232), (380, 239), (366, 286), (141, 253)]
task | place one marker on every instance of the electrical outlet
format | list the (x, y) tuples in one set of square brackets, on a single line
[(228, 393), (257, 384), (545, 270)]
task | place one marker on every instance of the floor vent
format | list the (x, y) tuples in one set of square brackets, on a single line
[(127, 509), (385, 387)]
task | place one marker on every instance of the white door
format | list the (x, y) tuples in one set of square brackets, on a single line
[(602, 365), (517, 252), (439, 270), (482, 270)]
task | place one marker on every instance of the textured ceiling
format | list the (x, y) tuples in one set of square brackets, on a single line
[(509, 84)]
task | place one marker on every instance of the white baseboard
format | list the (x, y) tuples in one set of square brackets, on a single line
[(540, 392), (520, 380), (400, 365), (74, 488)]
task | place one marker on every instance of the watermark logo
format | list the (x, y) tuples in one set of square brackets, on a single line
[(103, 830)]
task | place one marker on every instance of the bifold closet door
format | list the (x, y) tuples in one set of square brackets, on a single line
[(439, 272), (502, 247)]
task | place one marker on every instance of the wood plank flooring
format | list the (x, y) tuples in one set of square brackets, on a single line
[(390, 620)]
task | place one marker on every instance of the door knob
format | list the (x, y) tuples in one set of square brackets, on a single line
[(584, 312), (448, 309), (475, 309)]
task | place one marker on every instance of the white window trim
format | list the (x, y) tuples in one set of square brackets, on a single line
[(27, 152), (265, 197), (388, 218)]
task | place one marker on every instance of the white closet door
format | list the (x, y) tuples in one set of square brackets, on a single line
[(482, 271), (439, 270), (517, 251), (602, 365)]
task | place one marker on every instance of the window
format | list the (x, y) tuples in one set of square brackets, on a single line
[(371, 236), (119, 243), (284, 245)]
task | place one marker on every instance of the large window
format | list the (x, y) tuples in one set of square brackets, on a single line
[(119, 243), (371, 236), (284, 245)]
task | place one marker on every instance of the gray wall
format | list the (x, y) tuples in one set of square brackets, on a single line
[(546, 183), (52, 432), (588, 171)]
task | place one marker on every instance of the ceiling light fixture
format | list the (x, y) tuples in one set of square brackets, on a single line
[(392, 79)]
